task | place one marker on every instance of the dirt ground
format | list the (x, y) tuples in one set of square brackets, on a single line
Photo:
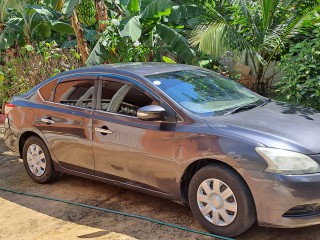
[(23, 217)]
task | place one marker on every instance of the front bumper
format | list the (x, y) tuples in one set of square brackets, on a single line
[(285, 201)]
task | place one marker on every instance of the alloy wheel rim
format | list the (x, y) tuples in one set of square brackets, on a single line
[(36, 160), (217, 202)]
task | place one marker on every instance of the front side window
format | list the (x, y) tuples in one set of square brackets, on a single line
[(123, 98), (203, 92), (134, 100), (75, 93)]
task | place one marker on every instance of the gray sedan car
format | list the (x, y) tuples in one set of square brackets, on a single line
[(179, 132)]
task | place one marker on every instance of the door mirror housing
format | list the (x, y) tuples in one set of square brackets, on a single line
[(151, 113)]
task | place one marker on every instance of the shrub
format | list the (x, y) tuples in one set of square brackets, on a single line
[(25, 67), (301, 68)]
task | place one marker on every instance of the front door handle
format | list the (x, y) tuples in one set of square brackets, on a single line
[(47, 120), (103, 130)]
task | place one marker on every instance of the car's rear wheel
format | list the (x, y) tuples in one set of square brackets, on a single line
[(37, 161), (221, 201)]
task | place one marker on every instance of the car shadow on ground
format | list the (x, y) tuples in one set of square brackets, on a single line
[(13, 175)]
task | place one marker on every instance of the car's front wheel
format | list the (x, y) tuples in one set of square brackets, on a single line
[(37, 161), (221, 201)]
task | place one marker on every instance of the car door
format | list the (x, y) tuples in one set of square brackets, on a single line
[(66, 122), (126, 148)]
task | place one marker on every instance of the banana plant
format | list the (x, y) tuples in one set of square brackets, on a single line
[(31, 21), (45, 21), (78, 11), (147, 21)]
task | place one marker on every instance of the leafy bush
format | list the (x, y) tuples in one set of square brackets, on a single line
[(301, 68), (116, 49), (25, 67)]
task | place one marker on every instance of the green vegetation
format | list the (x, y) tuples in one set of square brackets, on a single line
[(301, 73), (65, 34), (29, 65), (258, 29), (145, 23)]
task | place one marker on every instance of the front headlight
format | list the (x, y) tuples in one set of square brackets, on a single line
[(287, 162)]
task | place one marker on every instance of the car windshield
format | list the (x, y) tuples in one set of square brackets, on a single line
[(204, 92)]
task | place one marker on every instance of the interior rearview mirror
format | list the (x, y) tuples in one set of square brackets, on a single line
[(151, 113)]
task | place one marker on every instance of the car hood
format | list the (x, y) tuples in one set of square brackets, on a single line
[(276, 125)]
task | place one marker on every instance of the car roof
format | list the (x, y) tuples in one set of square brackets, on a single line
[(140, 69), (148, 68)]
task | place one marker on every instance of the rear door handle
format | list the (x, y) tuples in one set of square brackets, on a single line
[(103, 130), (47, 120)]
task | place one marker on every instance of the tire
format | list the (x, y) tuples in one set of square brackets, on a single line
[(37, 161), (229, 208)]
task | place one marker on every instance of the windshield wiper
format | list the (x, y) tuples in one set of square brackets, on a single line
[(267, 100), (241, 108)]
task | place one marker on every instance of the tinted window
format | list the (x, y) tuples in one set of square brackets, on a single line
[(75, 93), (48, 89), (203, 92)]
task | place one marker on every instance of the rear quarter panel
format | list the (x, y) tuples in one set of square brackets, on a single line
[(22, 118)]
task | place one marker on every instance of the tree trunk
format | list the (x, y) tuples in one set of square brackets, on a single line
[(258, 85), (81, 43), (102, 14)]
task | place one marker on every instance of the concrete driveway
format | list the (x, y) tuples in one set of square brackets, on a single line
[(23, 217)]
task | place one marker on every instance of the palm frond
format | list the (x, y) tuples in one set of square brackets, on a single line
[(210, 36), (217, 38), (269, 7), (292, 24), (210, 39), (276, 37), (256, 31)]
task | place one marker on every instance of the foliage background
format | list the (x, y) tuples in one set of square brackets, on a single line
[(301, 72), (28, 66), (40, 38)]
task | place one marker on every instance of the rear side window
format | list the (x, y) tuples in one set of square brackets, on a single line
[(75, 93), (47, 90)]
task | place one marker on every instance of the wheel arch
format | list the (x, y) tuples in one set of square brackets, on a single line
[(195, 166), (23, 138)]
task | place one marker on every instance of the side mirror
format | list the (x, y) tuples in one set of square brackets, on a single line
[(151, 113)]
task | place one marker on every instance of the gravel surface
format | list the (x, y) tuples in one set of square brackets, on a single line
[(23, 217)]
